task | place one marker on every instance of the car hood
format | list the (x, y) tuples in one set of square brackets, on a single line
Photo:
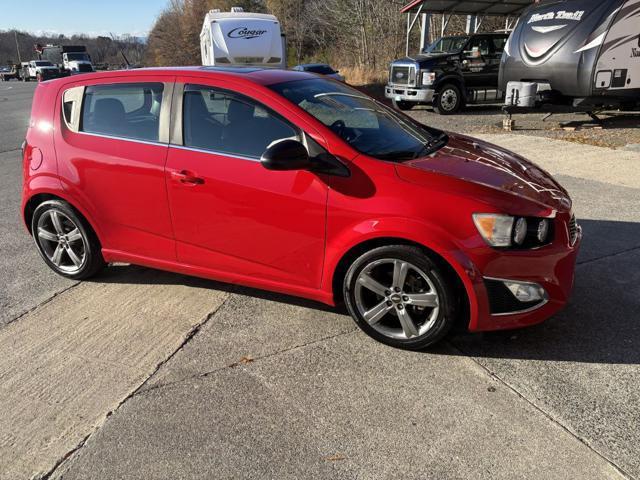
[(425, 59), (485, 164)]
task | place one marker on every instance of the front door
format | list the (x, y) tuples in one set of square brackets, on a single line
[(229, 213), (476, 63)]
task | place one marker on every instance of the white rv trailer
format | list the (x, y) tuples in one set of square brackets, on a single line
[(242, 38)]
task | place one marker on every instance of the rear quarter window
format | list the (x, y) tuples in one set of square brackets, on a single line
[(123, 110)]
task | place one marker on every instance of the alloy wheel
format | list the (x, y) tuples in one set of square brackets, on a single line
[(397, 299), (61, 241)]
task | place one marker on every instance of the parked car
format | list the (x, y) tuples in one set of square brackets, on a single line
[(295, 183), (320, 69), (450, 73), (9, 73), (40, 70)]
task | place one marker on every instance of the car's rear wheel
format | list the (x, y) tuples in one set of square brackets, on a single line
[(399, 297), (66, 241), (448, 100), (404, 106)]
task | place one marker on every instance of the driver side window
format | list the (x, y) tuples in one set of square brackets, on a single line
[(224, 122), (482, 44)]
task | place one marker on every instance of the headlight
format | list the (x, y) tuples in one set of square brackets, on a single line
[(428, 78), (495, 229), (518, 232), (543, 230)]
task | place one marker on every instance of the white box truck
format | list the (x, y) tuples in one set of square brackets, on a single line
[(242, 38)]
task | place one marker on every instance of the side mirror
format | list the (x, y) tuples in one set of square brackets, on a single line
[(286, 155)]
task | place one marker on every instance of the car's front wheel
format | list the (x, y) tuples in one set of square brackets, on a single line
[(399, 297), (66, 241)]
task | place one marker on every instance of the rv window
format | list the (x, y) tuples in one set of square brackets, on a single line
[(218, 121), (123, 110)]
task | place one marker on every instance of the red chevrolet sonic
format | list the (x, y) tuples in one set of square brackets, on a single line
[(295, 183)]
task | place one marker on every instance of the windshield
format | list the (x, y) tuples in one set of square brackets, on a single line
[(321, 69), (42, 63), (447, 45), (365, 124), (77, 56)]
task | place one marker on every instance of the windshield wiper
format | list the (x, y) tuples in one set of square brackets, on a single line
[(400, 155), (432, 146)]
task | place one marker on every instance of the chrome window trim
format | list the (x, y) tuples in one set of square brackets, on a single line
[(215, 152), (544, 301), (126, 139)]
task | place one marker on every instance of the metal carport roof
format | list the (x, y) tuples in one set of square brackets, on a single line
[(475, 7)]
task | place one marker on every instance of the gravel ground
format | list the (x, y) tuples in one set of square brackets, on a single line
[(617, 130)]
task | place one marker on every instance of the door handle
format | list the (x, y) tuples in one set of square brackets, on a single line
[(187, 177)]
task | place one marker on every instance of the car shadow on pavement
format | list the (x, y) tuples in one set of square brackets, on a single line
[(135, 275), (602, 322), (600, 325)]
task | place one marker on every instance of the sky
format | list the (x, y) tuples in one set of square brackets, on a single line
[(92, 17)]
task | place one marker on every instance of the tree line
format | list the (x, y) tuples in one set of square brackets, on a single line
[(361, 34), (16, 46)]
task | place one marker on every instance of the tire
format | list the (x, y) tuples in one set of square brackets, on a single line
[(448, 100), (75, 254), (404, 106), (385, 306)]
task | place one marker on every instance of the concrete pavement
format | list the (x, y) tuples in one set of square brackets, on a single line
[(143, 374)]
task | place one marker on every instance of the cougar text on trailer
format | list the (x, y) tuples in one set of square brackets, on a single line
[(242, 38), (584, 54)]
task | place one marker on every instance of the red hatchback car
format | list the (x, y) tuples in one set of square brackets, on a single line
[(295, 183)]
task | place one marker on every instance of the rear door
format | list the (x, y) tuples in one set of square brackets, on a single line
[(229, 213), (112, 148)]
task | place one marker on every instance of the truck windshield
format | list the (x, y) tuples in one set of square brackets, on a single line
[(447, 45), (42, 63), (77, 56), (365, 124)]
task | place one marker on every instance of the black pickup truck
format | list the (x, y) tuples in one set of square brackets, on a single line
[(450, 73)]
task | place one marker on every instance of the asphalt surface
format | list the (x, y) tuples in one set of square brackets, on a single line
[(145, 374)]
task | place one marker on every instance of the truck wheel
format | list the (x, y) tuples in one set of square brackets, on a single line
[(404, 106), (448, 100)]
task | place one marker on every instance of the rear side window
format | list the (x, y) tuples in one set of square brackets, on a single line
[(223, 122), (123, 110)]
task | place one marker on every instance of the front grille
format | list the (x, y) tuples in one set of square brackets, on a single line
[(83, 67), (502, 301), (573, 230), (403, 75)]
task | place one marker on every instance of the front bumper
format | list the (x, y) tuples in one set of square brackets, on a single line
[(402, 93), (551, 267)]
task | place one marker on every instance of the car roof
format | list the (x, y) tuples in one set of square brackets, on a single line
[(260, 76)]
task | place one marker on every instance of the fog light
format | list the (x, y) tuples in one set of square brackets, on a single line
[(526, 292)]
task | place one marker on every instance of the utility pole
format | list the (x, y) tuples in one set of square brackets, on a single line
[(15, 33)]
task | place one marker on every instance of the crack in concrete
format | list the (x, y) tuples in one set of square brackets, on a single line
[(10, 151), (611, 255), (573, 434), (237, 364), (193, 331), (44, 302)]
